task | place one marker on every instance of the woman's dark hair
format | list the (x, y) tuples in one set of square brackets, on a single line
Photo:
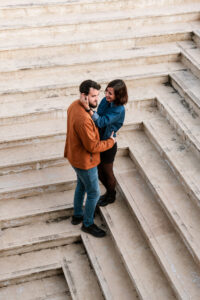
[(87, 84), (120, 91)]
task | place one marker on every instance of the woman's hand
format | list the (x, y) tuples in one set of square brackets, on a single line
[(84, 101), (112, 137)]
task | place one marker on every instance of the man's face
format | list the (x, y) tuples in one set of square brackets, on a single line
[(93, 97)]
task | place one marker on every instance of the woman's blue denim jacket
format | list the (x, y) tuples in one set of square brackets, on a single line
[(108, 118)]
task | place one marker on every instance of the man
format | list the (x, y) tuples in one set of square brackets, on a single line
[(82, 148)]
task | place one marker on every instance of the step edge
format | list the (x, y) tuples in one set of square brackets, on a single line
[(179, 123), (189, 243), (163, 14), (132, 56), (174, 166), (137, 281), (176, 31), (174, 281), (185, 92), (97, 268), (27, 272), (39, 243)]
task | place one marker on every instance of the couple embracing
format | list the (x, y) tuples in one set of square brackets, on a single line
[(91, 147)]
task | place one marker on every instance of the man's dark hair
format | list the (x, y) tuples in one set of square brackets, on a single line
[(120, 91), (87, 84)]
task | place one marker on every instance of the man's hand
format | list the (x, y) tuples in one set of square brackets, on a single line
[(84, 101), (112, 137)]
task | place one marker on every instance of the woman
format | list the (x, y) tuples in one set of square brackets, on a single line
[(108, 118)]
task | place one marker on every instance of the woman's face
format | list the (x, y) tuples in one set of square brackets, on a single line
[(110, 95)]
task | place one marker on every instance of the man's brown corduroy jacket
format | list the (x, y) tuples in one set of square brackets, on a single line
[(83, 145)]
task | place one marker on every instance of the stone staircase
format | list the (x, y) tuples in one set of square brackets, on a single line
[(152, 249)]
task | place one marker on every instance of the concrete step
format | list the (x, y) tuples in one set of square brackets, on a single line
[(37, 3), (36, 110), (186, 123), (19, 110), (58, 289), (101, 253), (139, 262), (159, 232), (40, 151), (104, 258), (79, 275), (78, 41), (59, 82), (137, 3), (34, 182), (188, 86), (138, 17), (22, 268), (33, 209), (37, 236), (55, 108), (72, 92), (21, 9), (7, 155), (127, 59), (33, 156), (196, 37), (61, 259), (32, 140), (87, 69), (41, 264), (147, 55), (53, 287), (67, 55), (39, 155), (180, 209), (39, 201), (32, 132), (53, 129), (190, 58), (180, 157)]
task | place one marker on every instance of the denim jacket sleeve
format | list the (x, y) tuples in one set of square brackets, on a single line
[(107, 119)]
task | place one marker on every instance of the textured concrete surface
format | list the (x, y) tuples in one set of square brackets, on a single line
[(151, 251)]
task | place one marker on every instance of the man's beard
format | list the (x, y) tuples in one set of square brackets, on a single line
[(92, 105)]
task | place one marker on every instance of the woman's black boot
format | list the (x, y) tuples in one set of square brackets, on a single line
[(109, 198), (102, 197)]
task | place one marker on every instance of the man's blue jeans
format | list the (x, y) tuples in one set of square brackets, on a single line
[(87, 182)]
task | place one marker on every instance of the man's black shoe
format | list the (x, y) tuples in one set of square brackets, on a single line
[(110, 198), (94, 230), (76, 220)]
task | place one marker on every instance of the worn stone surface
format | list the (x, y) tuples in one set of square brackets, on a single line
[(151, 251)]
